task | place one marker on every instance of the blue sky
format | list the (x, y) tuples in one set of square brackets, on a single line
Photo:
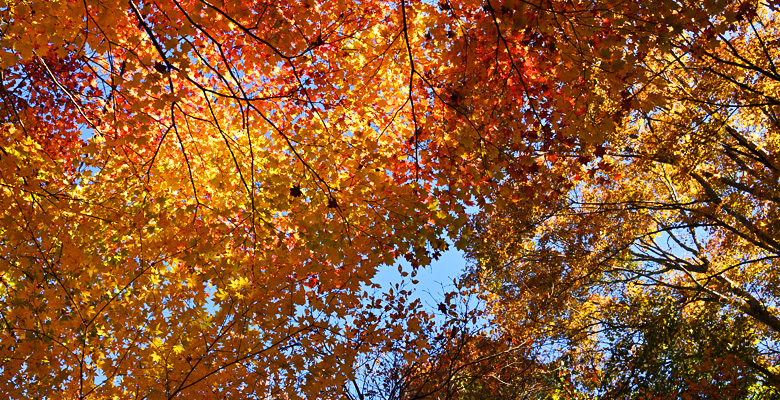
[(434, 280)]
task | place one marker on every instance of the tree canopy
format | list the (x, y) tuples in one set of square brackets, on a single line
[(195, 196)]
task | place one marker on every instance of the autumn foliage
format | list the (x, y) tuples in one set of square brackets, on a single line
[(195, 196)]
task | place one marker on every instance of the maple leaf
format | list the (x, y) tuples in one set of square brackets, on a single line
[(160, 67), (295, 191), (318, 41)]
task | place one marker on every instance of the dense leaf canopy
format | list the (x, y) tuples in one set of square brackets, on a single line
[(195, 196)]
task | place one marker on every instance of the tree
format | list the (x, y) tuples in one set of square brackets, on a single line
[(670, 227), (196, 195)]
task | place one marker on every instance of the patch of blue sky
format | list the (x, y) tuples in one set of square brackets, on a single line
[(434, 280)]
